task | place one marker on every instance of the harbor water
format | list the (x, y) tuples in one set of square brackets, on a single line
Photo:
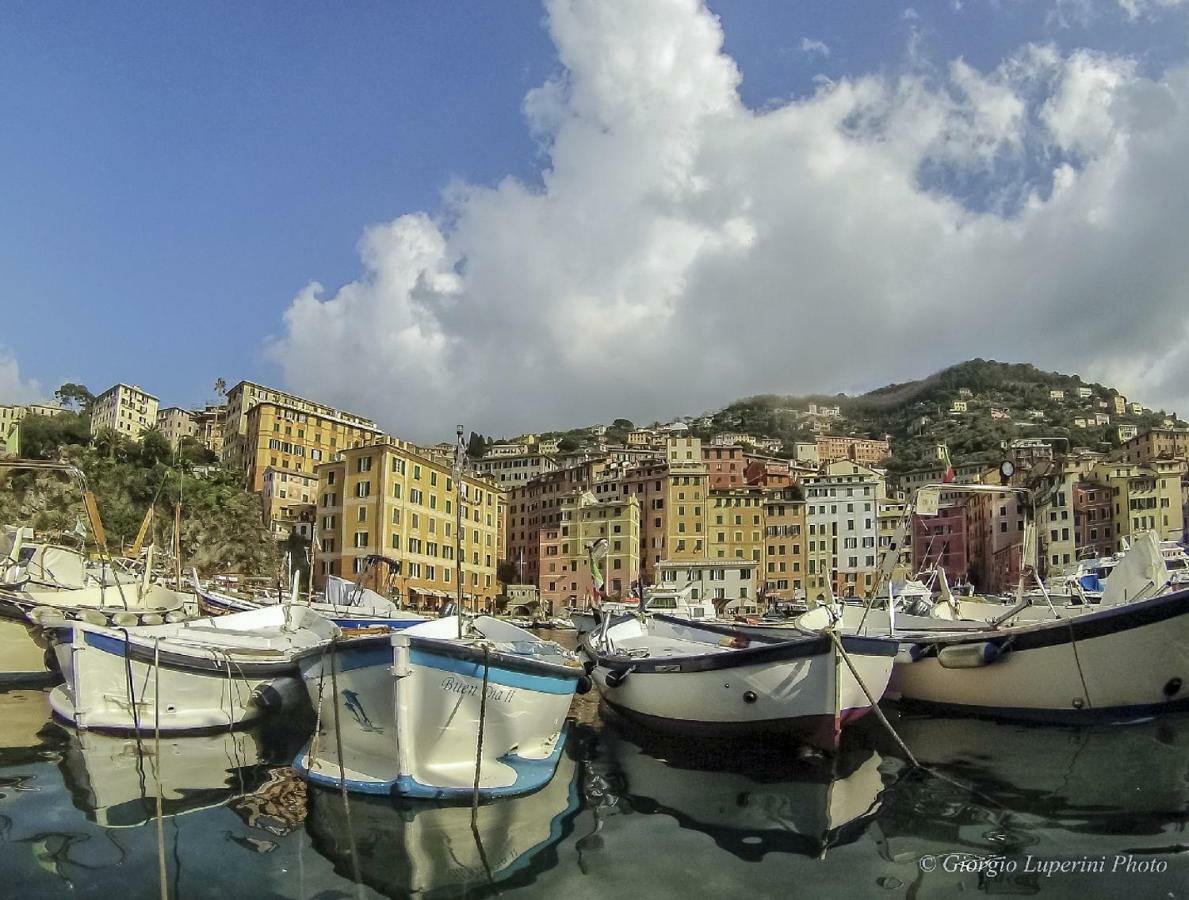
[(996, 809)]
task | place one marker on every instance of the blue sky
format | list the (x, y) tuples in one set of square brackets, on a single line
[(170, 178)]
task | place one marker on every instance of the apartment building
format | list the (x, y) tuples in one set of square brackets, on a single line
[(785, 560), (1154, 444), (126, 409), (725, 465), (175, 423), (736, 524), (282, 493), (1144, 497), (1093, 519), (940, 541), (383, 498), (510, 470), (865, 451), (288, 439), (208, 426), (843, 530), (565, 549), (242, 451), (995, 526), (716, 580)]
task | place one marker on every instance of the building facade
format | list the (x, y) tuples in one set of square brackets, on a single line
[(175, 423), (864, 451), (565, 549), (127, 409), (843, 532)]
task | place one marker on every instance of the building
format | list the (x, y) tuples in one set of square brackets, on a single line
[(1136, 409), (958, 406), (208, 426), (770, 472), (1119, 404), (1093, 520), (175, 423), (725, 465), (510, 448), (126, 409), (940, 542), (1056, 394), (565, 549), (1085, 393), (281, 494), (641, 437), (291, 440), (995, 536), (10, 418), (785, 560), (736, 524), (1124, 433), (1144, 497), (509, 470), (805, 453), (841, 521), (382, 498), (245, 453), (865, 451), (721, 582), (1156, 443)]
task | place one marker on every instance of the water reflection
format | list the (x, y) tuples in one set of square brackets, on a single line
[(752, 799), (407, 848)]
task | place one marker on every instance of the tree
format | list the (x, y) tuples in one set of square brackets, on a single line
[(75, 397), (44, 437), (154, 448), (567, 444), (476, 445), (220, 387), (505, 572), (191, 452)]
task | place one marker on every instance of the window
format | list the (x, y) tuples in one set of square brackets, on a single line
[(361, 539), (363, 489), (363, 464), (362, 514)]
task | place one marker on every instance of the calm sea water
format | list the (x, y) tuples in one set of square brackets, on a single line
[(628, 815)]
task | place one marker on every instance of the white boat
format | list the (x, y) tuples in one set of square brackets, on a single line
[(409, 708), (351, 607), (421, 849), (704, 678), (214, 673), (1116, 663), (671, 600)]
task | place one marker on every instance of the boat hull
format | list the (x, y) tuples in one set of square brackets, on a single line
[(800, 688), (416, 735), (1118, 664), (23, 655)]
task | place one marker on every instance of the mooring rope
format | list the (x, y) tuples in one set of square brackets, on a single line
[(479, 762), (338, 740)]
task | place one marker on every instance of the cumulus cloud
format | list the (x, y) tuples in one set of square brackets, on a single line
[(1138, 9), (13, 388), (682, 250), (812, 46)]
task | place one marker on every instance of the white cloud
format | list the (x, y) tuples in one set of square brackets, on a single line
[(1137, 9), (811, 46), (13, 388), (683, 250)]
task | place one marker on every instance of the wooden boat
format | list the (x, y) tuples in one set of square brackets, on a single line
[(704, 678), (408, 708)]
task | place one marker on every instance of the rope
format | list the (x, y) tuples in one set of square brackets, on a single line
[(162, 869), (874, 703), (482, 723), (338, 740)]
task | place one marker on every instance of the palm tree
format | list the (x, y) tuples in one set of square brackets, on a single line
[(220, 387)]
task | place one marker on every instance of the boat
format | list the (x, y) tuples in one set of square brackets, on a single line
[(704, 678), (204, 674), (423, 849), (1117, 663), (411, 709), (668, 599), (351, 606)]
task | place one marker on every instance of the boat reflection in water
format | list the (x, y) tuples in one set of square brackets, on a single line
[(751, 799), (415, 848), (114, 779)]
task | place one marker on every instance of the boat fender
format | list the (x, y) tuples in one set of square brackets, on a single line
[(584, 685), (1172, 687), (917, 651), (151, 619), (588, 666), (616, 677), (46, 616), (175, 615), (279, 694), (969, 656), (125, 619), (92, 617)]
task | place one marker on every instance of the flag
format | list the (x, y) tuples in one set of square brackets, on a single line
[(597, 551), (949, 475)]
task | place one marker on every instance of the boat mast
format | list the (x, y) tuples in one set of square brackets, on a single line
[(459, 450)]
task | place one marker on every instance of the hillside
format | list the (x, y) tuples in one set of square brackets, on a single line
[(1002, 402)]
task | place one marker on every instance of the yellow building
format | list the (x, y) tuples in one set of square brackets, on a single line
[(288, 439), (1144, 497), (241, 450), (126, 409), (383, 498), (1156, 443), (282, 494), (686, 488), (10, 417), (565, 548), (175, 423), (736, 528), (208, 426), (785, 560)]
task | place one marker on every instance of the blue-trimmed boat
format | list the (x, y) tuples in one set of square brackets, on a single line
[(423, 712)]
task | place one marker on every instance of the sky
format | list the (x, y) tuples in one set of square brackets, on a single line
[(527, 216)]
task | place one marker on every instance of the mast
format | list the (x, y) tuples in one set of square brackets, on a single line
[(459, 450)]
